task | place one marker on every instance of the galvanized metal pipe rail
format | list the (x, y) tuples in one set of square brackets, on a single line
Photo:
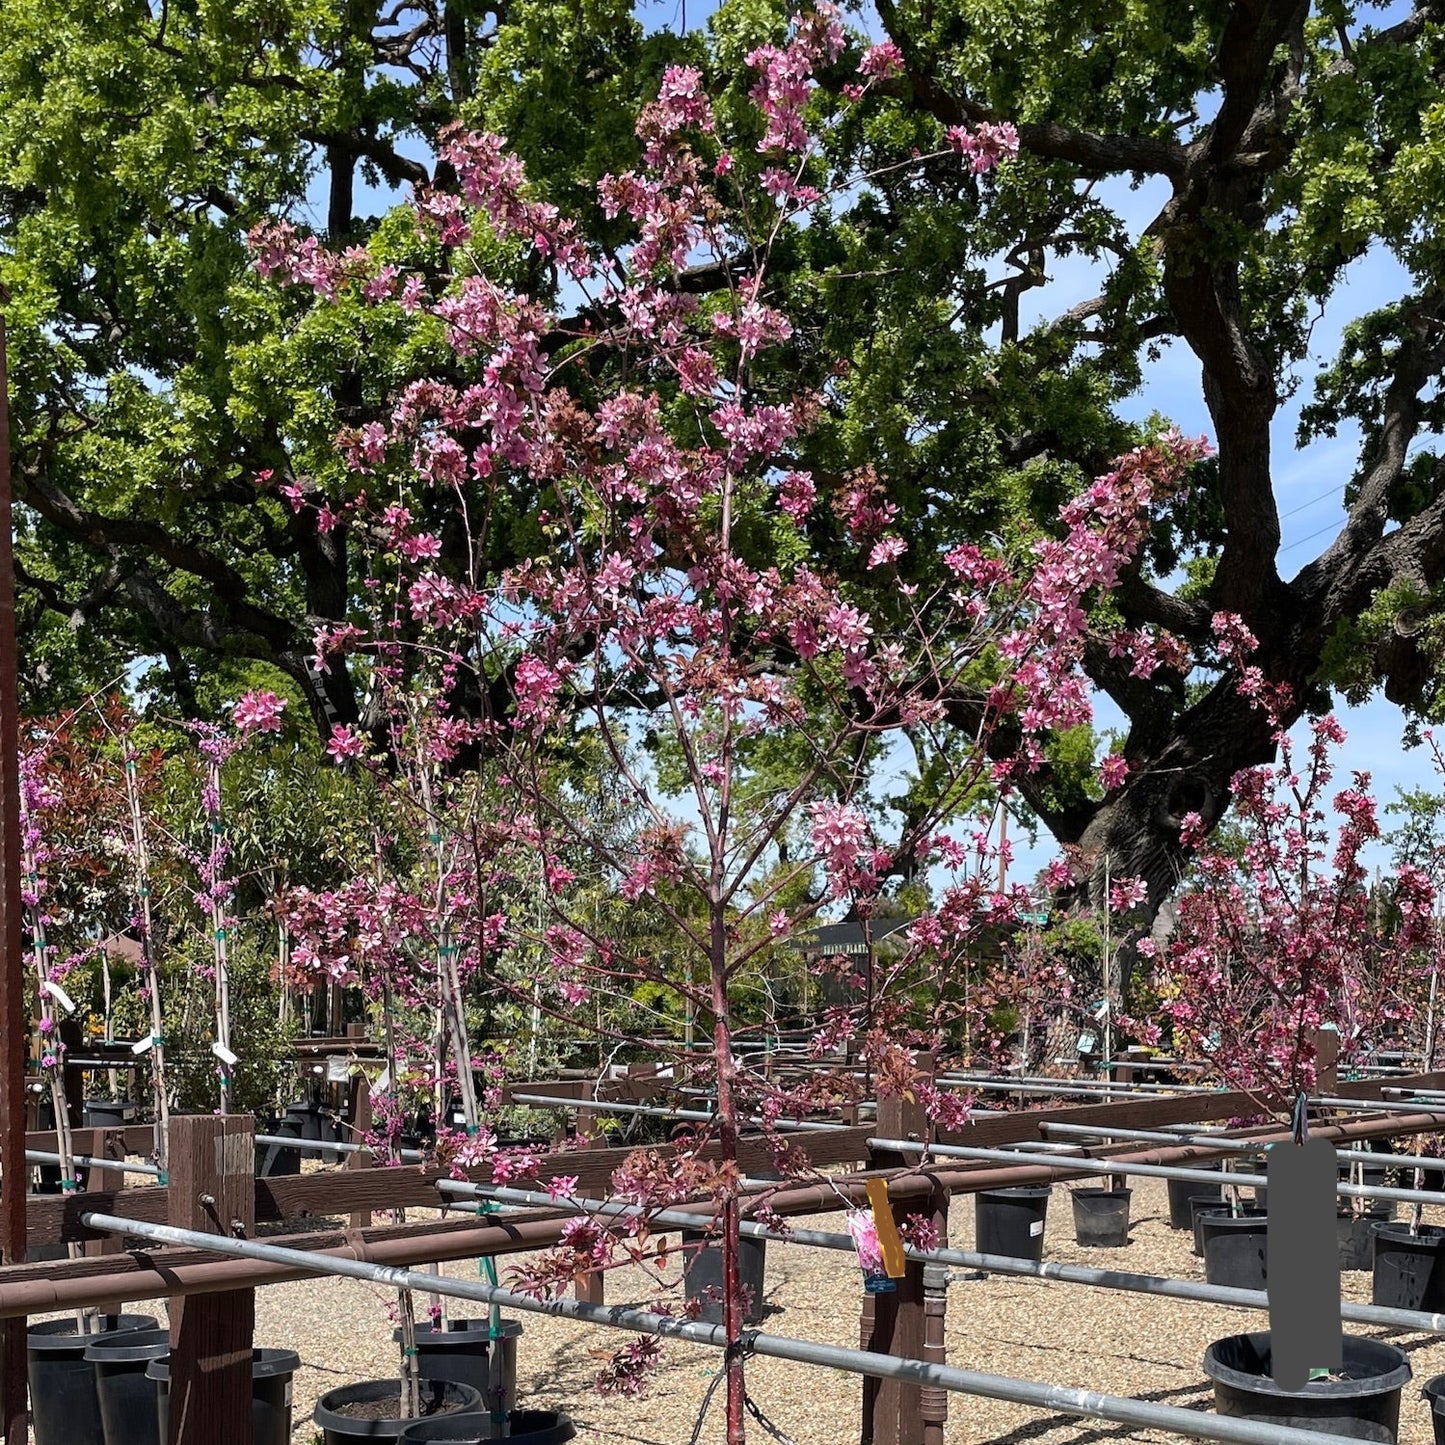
[(327, 1146), (1236, 1146), (1088, 1090), (1149, 1171), (661, 1111), (1087, 1403), (1163, 1286), (87, 1161)]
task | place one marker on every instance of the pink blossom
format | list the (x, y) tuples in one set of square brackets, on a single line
[(259, 712), (986, 145), (881, 61), (1114, 771)]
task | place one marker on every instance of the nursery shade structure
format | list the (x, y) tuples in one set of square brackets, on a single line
[(1088, 1403), (14, 1017)]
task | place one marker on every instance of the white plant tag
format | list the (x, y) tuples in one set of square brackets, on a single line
[(59, 995), (1036, 1228), (142, 1046), (225, 1055)]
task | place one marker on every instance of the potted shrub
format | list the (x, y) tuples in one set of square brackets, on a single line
[(1274, 943)]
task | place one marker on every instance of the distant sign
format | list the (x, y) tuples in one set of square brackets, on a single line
[(1038, 919)]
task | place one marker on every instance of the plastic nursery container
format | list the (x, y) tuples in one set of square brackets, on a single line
[(1410, 1268), (703, 1272), (346, 1415), (1182, 1190), (1431, 1392), (1235, 1247), (1101, 1217), (1363, 1405), (524, 1427), (127, 1399), (64, 1408), (1011, 1221), (461, 1350), (271, 1372), (1357, 1235)]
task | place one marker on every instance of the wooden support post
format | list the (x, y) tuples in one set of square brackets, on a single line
[(212, 1188), (904, 1118), (933, 1402), (588, 1286), (1327, 1057), (892, 1410), (359, 1122), (105, 1144), (875, 1334)]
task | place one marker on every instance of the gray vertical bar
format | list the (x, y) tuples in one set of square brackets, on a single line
[(1303, 1262)]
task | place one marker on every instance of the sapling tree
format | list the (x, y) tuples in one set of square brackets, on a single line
[(652, 619), (1281, 937)]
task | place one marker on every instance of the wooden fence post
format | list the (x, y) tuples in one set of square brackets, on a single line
[(212, 1187), (359, 1124), (894, 1324), (106, 1144), (1327, 1056)]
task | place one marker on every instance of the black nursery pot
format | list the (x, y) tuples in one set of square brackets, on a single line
[(1431, 1392), (271, 1372), (1101, 1217), (1357, 1235), (438, 1397), (1410, 1268), (1234, 1247), (276, 1159), (1011, 1221), (1199, 1204), (525, 1427), (703, 1272), (462, 1350), (1363, 1406), (64, 1408), (127, 1399), (1182, 1190), (107, 1113)]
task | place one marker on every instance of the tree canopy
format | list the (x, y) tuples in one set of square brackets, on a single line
[(164, 394)]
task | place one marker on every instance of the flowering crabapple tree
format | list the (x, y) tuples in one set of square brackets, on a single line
[(1279, 939), (666, 614)]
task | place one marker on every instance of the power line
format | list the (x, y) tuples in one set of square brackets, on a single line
[(1305, 506), (1320, 532)]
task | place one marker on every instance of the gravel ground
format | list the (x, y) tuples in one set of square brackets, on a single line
[(1104, 1340)]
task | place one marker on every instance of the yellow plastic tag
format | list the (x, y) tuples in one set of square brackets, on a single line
[(889, 1243)]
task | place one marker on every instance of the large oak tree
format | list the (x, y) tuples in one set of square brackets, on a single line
[(156, 377)]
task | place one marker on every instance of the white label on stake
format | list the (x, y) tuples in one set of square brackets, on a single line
[(1036, 1229), (59, 995), (338, 1071), (143, 1046), (225, 1055)]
